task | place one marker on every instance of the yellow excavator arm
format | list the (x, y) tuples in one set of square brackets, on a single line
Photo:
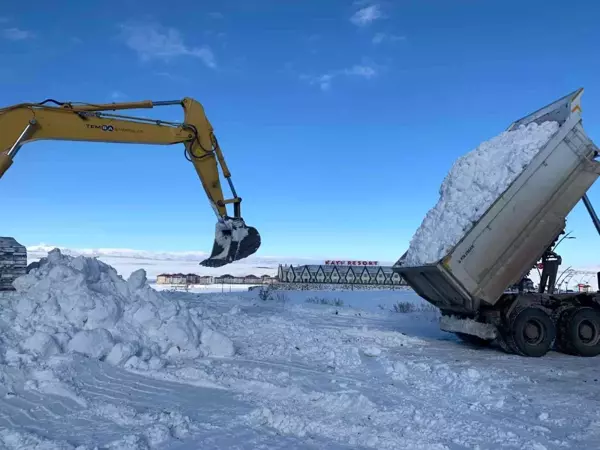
[(54, 120)]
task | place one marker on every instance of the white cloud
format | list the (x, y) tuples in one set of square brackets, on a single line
[(152, 41), (366, 15), (378, 38), (381, 37), (361, 71), (16, 34), (171, 77), (324, 81), (117, 95)]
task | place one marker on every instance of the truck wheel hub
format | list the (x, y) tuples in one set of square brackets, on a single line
[(533, 332), (588, 333)]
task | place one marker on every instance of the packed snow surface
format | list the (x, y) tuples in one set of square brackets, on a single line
[(474, 182), (89, 360)]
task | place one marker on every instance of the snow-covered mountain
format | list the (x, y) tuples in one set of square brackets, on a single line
[(122, 253), (155, 262)]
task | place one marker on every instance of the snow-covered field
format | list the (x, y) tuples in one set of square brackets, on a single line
[(156, 262), (88, 359), (126, 261)]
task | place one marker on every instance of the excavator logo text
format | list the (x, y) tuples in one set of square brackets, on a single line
[(110, 128), (101, 127)]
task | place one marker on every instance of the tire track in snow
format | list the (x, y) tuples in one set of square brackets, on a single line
[(439, 403), (134, 379)]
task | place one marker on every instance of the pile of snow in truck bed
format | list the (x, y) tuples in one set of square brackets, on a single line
[(475, 181), (81, 305)]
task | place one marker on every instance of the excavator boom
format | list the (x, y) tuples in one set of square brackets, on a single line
[(52, 120)]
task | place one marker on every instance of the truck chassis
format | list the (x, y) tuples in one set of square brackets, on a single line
[(531, 324)]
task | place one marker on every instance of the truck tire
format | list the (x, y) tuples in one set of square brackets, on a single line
[(474, 340), (579, 332), (531, 332)]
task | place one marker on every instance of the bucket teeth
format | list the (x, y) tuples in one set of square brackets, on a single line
[(233, 241)]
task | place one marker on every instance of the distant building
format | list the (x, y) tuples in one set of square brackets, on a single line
[(230, 279), (176, 278), (581, 287), (191, 278), (163, 278), (268, 279), (194, 279), (205, 279)]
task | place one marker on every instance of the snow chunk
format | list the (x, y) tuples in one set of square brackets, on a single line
[(158, 433), (22, 440), (137, 279), (41, 344), (235, 309), (372, 351), (225, 234), (215, 343), (93, 343), (129, 442), (475, 181), (121, 352), (455, 324)]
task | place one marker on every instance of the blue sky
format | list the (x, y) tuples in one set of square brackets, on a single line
[(339, 119)]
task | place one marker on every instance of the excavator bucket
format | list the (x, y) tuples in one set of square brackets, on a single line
[(233, 241)]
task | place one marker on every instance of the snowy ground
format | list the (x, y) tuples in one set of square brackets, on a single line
[(302, 375), (206, 289)]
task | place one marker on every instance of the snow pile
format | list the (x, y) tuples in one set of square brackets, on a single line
[(81, 305), (475, 181), (19, 440)]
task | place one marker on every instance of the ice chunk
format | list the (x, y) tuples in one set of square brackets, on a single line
[(121, 352), (93, 343), (215, 343), (475, 181), (41, 344), (137, 279), (372, 351)]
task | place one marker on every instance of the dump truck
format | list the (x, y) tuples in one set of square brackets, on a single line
[(520, 231)]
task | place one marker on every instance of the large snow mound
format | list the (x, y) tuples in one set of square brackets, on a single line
[(474, 182), (81, 305)]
